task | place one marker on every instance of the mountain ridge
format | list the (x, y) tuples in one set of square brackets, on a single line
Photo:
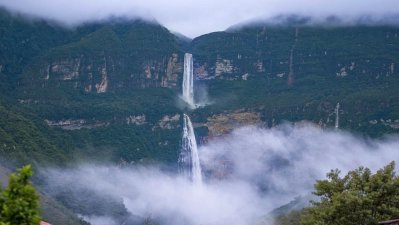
[(126, 74), (109, 91)]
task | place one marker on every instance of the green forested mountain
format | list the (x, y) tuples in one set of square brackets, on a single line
[(301, 72), (108, 90), (111, 87)]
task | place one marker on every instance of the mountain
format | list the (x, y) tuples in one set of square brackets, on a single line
[(108, 91), (113, 85), (98, 75), (301, 72)]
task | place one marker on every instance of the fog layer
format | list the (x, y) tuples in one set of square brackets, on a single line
[(248, 174), (193, 17)]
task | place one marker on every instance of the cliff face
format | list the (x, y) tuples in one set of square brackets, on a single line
[(127, 55), (118, 81), (114, 57), (281, 73), (286, 52), (100, 74), (221, 124)]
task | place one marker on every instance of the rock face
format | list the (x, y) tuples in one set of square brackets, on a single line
[(66, 69), (259, 67), (148, 56), (78, 73), (173, 69), (107, 74), (105, 59), (223, 66), (283, 52), (136, 120), (169, 122), (102, 86), (224, 123), (394, 124), (75, 124)]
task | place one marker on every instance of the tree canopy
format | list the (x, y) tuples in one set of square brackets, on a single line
[(19, 202), (359, 197)]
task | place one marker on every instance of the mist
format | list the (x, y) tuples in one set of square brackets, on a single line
[(248, 174), (193, 18)]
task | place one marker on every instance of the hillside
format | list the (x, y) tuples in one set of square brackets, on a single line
[(108, 91), (301, 72), (114, 85)]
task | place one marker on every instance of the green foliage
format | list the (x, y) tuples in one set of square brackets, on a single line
[(360, 197), (30, 49), (291, 218), (19, 202), (318, 55), (55, 213), (22, 140)]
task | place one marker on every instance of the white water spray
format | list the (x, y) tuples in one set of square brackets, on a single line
[(337, 116), (189, 163), (188, 80)]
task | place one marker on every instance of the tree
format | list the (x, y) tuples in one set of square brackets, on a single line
[(19, 203), (360, 197)]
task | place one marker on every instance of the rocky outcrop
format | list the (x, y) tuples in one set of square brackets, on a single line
[(64, 69), (223, 66), (169, 122), (259, 67), (106, 73), (342, 72), (75, 124), (394, 124), (102, 86), (392, 68), (136, 120), (245, 76), (173, 69), (224, 123), (81, 72), (100, 75), (201, 73)]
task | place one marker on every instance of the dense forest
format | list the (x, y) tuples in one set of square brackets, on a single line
[(109, 92)]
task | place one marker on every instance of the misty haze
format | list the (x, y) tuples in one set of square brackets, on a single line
[(199, 112)]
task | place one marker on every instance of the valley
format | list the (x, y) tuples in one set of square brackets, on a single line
[(116, 92)]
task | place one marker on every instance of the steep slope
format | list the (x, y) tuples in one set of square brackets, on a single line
[(367, 51), (108, 91), (301, 72), (23, 39), (113, 85), (105, 81), (22, 141), (123, 75), (115, 57)]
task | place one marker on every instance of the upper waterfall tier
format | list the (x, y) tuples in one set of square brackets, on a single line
[(188, 80)]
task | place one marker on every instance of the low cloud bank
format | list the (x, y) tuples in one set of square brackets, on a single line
[(194, 18), (248, 174)]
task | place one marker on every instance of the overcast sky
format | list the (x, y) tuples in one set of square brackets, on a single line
[(193, 17)]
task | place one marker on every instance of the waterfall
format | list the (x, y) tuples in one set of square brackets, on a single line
[(188, 80), (337, 116), (189, 164)]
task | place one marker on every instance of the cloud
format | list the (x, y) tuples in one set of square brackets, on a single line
[(167, 198), (248, 174), (287, 160), (193, 17)]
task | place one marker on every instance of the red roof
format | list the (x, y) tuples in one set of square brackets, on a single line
[(390, 222), (44, 223)]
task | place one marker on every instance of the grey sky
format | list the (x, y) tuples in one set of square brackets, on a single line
[(193, 17)]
